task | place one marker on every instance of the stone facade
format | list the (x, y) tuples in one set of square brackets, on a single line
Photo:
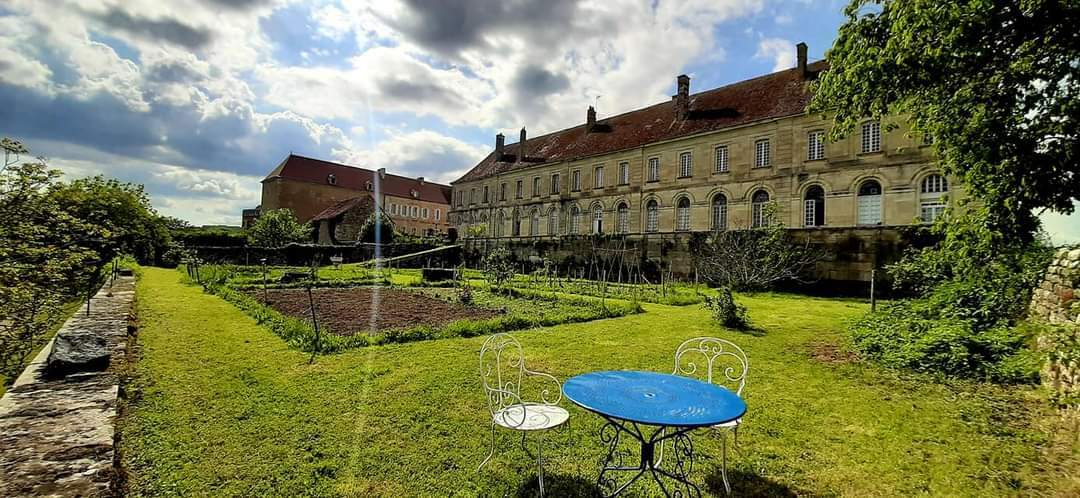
[(754, 149), (1057, 301)]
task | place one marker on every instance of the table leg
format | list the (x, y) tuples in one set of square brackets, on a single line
[(614, 463)]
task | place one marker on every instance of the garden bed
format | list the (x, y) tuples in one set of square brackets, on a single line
[(347, 311)]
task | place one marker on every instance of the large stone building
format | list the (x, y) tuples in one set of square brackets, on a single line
[(709, 161), (309, 187)]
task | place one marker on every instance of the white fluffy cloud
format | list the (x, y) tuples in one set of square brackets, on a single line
[(779, 50), (425, 153)]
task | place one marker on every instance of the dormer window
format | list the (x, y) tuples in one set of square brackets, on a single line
[(414, 193), (331, 179), (367, 185)]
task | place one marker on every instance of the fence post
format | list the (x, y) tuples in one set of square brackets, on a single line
[(873, 296)]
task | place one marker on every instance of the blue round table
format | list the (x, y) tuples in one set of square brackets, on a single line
[(670, 405)]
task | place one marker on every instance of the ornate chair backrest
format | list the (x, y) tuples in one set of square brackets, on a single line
[(502, 369), (713, 360)]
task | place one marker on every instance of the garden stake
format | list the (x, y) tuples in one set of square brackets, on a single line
[(315, 322)]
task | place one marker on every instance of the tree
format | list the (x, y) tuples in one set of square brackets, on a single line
[(994, 84), (754, 259), (378, 223), (278, 228), (498, 267)]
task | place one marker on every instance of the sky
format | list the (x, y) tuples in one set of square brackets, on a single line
[(199, 99)]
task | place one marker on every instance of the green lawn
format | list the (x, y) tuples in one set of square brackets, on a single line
[(223, 407)]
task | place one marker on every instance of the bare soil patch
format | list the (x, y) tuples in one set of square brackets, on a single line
[(350, 310), (827, 352)]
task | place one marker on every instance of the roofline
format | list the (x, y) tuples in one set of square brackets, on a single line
[(691, 96), (372, 171)]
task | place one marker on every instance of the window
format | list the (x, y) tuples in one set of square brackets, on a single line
[(520, 189), (758, 216), (500, 223), (721, 159), (719, 212), (556, 184), (502, 192), (553, 221), (652, 216), (761, 153), (682, 215), (814, 207), (815, 145), (624, 173), (485, 194), (460, 198), (575, 220), (575, 180), (622, 218), (415, 212), (869, 203), (932, 197), (332, 180), (598, 219), (438, 214), (516, 228), (424, 213), (654, 169), (598, 177), (871, 136), (686, 165), (536, 186), (534, 224), (393, 209)]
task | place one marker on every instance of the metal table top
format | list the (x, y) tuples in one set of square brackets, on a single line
[(654, 398)]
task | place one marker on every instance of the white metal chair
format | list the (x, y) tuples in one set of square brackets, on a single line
[(502, 371), (716, 361)]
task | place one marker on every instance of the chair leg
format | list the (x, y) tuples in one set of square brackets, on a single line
[(723, 461), (523, 447), (540, 461), (492, 451)]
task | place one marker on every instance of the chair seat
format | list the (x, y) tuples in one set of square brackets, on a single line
[(537, 417)]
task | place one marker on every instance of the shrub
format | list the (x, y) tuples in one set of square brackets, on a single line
[(498, 267), (726, 311)]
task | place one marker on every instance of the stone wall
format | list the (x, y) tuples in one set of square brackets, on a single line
[(57, 434), (1057, 301)]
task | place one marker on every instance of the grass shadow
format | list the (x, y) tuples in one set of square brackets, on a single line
[(559, 485), (746, 484)]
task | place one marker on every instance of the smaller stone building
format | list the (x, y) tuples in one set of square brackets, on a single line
[(1057, 301), (342, 222)]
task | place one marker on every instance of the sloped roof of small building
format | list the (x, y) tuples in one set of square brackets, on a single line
[(342, 207), (780, 94), (307, 169)]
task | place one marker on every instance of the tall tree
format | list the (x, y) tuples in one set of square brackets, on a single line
[(995, 83), (277, 228)]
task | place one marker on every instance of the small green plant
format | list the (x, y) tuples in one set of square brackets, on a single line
[(498, 267), (726, 311), (465, 295)]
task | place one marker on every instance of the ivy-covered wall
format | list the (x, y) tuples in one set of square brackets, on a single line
[(1057, 302)]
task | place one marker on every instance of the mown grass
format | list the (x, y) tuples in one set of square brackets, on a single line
[(223, 407)]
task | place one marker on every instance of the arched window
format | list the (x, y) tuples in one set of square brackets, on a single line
[(516, 230), (500, 222), (682, 215), (869, 203), (575, 219), (553, 221), (652, 216), (814, 207), (598, 218), (758, 216), (932, 197), (534, 224), (622, 218), (719, 212)]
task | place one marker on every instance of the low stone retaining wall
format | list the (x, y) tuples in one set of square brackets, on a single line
[(57, 430), (1057, 301)]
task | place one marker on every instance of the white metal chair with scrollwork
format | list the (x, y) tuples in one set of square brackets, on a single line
[(721, 362), (502, 371)]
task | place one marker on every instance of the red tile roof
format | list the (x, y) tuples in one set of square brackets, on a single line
[(341, 207), (311, 170), (779, 94)]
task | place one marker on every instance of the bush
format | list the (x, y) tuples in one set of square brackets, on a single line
[(498, 267), (726, 311)]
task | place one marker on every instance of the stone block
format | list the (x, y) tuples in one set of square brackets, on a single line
[(1074, 254), (82, 351)]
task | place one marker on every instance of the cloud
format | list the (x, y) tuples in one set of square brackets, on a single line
[(171, 30), (423, 153), (536, 81), (779, 50)]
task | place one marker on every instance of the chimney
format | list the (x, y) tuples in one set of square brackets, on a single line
[(590, 119), (801, 49), (521, 146), (682, 98), (420, 179), (500, 140), (382, 173)]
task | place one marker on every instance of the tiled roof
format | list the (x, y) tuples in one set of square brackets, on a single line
[(779, 94), (311, 170), (341, 207)]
